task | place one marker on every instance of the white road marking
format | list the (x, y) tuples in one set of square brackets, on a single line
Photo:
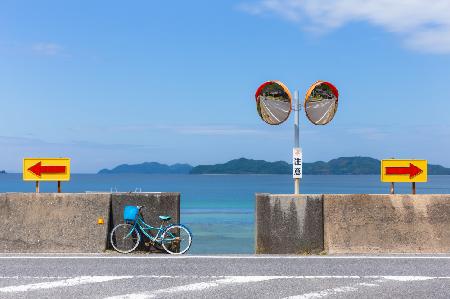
[(366, 284), (69, 277), (333, 257), (354, 288), (35, 277), (270, 112), (334, 291), (325, 114), (324, 293), (410, 278), (199, 277), (231, 280), (218, 281), (200, 286), (279, 106), (60, 283), (387, 277)]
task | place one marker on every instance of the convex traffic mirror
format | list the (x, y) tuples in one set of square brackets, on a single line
[(273, 102), (321, 102)]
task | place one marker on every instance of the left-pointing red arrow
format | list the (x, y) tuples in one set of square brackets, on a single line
[(38, 169)]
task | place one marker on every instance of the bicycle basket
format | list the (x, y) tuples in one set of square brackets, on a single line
[(130, 213)]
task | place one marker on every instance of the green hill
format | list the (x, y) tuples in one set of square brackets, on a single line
[(244, 166), (339, 166), (344, 165), (150, 168)]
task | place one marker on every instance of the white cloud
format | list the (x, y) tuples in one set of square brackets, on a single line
[(214, 130), (423, 25), (195, 129), (50, 49)]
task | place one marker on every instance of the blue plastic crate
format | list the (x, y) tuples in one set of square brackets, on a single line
[(130, 213)]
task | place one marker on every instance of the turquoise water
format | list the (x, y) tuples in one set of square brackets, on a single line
[(219, 209)]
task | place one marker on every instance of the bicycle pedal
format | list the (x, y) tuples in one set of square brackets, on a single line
[(148, 243)]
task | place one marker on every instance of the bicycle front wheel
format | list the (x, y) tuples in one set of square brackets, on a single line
[(124, 238), (176, 239)]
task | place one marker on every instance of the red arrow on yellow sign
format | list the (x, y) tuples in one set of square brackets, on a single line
[(38, 169), (412, 170), (404, 171), (46, 169)]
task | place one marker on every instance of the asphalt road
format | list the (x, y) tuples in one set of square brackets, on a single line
[(276, 111), (321, 111), (163, 276)]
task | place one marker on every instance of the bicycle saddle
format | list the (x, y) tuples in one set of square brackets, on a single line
[(165, 218)]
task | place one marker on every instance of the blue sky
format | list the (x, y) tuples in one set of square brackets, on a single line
[(111, 82)]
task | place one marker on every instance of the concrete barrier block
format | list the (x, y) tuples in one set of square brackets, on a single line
[(387, 223), (154, 204), (289, 224), (52, 222)]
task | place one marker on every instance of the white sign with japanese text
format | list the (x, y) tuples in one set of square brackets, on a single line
[(297, 161)]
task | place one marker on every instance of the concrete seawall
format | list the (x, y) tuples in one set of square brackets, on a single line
[(67, 222), (289, 224), (51, 222), (353, 223), (387, 223)]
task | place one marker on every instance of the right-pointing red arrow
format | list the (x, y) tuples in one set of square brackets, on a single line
[(412, 170)]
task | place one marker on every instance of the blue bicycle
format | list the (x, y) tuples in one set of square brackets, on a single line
[(125, 237)]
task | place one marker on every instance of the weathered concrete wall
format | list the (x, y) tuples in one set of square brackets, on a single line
[(387, 223), (67, 222), (154, 204), (51, 222), (289, 224)]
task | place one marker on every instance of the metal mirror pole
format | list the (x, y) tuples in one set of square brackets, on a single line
[(296, 135)]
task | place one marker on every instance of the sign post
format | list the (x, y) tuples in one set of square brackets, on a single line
[(297, 168), (297, 153), (274, 105), (404, 171), (46, 169)]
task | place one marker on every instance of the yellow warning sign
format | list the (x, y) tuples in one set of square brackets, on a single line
[(46, 169), (404, 171)]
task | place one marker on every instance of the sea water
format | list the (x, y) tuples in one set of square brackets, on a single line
[(219, 209)]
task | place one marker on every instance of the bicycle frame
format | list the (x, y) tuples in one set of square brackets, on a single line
[(141, 226)]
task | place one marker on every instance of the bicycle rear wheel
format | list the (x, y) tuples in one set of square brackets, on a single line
[(176, 239), (122, 240)]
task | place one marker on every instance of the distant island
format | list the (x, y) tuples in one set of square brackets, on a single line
[(2, 171), (339, 166), (244, 166), (150, 168)]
